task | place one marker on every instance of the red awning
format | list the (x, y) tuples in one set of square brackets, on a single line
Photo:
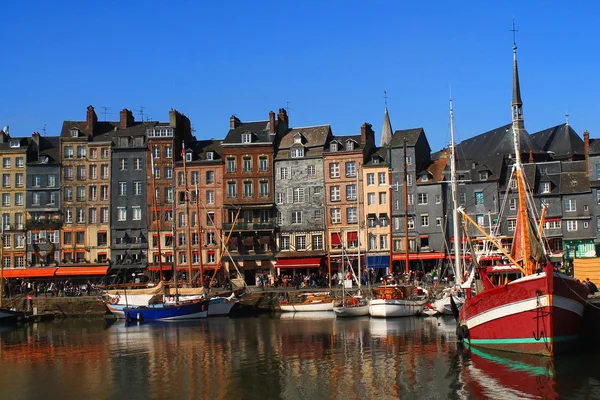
[(464, 239), (81, 271), (194, 267), (419, 256), (165, 267), (352, 236), (29, 273), (298, 262), (335, 239)]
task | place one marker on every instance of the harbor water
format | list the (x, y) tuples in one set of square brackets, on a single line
[(287, 356)]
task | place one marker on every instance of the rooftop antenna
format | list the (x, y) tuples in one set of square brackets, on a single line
[(44, 129), (141, 112), (567, 117), (105, 111), (514, 31), (385, 97), (287, 107)]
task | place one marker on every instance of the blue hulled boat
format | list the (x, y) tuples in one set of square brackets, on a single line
[(187, 310)]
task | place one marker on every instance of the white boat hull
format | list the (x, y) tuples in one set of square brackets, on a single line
[(345, 312), (443, 306), (384, 308), (325, 306), (220, 307)]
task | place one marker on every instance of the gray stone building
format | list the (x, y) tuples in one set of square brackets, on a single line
[(593, 167), (299, 199), (43, 183), (128, 193)]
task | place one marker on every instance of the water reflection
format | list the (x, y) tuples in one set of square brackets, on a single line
[(289, 357)]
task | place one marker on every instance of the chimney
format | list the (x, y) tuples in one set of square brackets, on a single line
[(4, 136), (283, 121), (91, 120), (366, 133), (35, 136), (586, 150), (126, 119), (173, 118), (531, 156), (234, 122), (272, 123)]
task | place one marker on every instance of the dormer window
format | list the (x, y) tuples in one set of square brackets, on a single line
[(349, 145), (14, 143), (424, 178), (44, 159), (375, 160), (298, 138), (246, 138), (546, 187), (188, 156), (74, 132), (483, 175), (297, 153), (333, 146), (210, 155)]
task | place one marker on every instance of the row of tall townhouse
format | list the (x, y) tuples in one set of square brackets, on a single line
[(135, 196)]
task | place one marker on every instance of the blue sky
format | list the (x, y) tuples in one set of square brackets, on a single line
[(331, 60)]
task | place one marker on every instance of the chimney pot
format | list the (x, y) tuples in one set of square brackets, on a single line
[(91, 120), (126, 119), (586, 149), (234, 122), (271, 122)]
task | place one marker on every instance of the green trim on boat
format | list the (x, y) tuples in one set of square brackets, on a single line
[(523, 340)]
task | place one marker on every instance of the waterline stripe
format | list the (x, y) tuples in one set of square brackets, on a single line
[(523, 340)]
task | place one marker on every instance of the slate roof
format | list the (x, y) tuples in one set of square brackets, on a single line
[(386, 129), (342, 147), (573, 166), (381, 153), (594, 146), (50, 147), (561, 140), (411, 135), (314, 140), (200, 149), (574, 182), (497, 142), (5, 147), (259, 130)]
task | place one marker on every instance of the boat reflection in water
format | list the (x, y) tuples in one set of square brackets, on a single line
[(310, 316)]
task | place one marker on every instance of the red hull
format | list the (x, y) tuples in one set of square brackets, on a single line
[(538, 314)]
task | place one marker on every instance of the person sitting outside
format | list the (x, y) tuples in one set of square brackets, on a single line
[(592, 288)]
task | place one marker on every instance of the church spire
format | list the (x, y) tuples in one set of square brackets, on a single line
[(517, 103), (386, 130)]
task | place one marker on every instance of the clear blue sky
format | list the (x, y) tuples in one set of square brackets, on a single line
[(331, 60)]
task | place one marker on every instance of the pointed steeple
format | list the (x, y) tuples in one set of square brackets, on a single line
[(386, 130), (517, 103)]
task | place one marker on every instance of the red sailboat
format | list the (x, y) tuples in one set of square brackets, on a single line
[(539, 312)]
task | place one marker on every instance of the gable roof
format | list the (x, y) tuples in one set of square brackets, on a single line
[(314, 136), (561, 140), (260, 130), (497, 142), (574, 182), (411, 135)]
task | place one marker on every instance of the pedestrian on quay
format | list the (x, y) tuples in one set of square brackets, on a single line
[(592, 288)]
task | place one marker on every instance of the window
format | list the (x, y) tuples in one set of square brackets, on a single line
[(180, 178), (6, 180), (552, 224), (297, 152), (351, 215), (478, 197), (246, 138), (350, 145), (284, 243), (93, 217), (299, 195), (231, 189), (512, 203), (136, 213), (571, 226), (333, 146), (210, 197), (68, 152), (18, 199), (36, 199), (20, 162), (462, 198), (121, 213), (370, 198), (104, 192), (598, 223), (296, 217), (169, 173), (382, 178), (483, 175), (168, 152), (351, 169), (104, 215), (263, 187), (511, 224), (52, 198), (6, 199), (123, 164), (68, 192), (280, 198), (81, 172), (411, 200), (334, 193), (411, 223), (336, 215), (372, 242), (283, 173), (137, 188), (81, 151), (311, 170), (383, 241), (19, 180), (188, 156), (318, 214), (300, 242), (317, 242), (422, 198), (408, 160), (409, 180), (80, 193), (104, 171), (424, 178), (69, 173), (231, 164), (80, 215), (570, 205), (383, 220), (351, 192), (334, 170), (247, 189), (169, 195), (279, 218), (182, 219), (122, 188), (210, 177), (479, 219), (157, 172), (438, 221), (424, 220), (370, 179), (438, 199), (513, 183), (317, 190), (247, 164)]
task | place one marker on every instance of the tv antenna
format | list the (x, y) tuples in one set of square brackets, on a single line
[(105, 111), (141, 112), (514, 32), (44, 129), (287, 107)]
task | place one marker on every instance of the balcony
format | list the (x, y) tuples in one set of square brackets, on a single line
[(13, 227), (249, 226), (44, 223)]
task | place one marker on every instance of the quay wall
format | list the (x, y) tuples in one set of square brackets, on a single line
[(59, 306)]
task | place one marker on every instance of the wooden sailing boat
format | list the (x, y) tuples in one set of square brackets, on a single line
[(443, 305), (539, 313), (395, 299)]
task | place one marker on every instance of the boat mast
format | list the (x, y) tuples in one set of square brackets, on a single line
[(454, 184), (405, 167), (518, 126), (156, 216)]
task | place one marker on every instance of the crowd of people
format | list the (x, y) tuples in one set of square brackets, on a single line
[(61, 288)]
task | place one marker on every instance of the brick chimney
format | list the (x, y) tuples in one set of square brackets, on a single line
[(35, 136), (126, 119), (586, 150), (91, 120), (283, 121), (531, 156), (4, 137), (272, 123), (234, 122), (366, 133)]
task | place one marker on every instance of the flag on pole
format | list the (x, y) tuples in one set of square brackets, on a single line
[(183, 150)]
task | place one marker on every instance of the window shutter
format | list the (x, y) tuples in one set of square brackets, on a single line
[(290, 195), (29, 239)]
